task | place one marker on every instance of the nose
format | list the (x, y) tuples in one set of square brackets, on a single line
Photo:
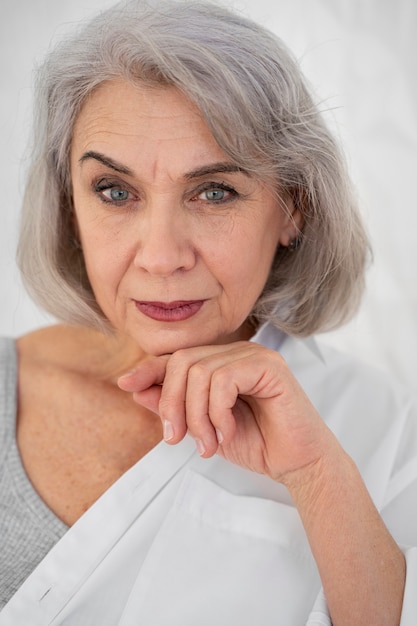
[(164, 244)]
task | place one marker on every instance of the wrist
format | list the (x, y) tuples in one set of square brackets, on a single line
[(321, 481)]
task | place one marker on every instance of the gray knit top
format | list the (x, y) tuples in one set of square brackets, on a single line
[(28, 528)]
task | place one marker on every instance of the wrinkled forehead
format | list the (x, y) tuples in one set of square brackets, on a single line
[(127, 106), (156, 130)]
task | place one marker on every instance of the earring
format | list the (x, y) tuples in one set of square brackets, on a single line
[(75, 244), (295, 243)]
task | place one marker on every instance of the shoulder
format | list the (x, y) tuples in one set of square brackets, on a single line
[(59, 347), (364, 406), (326, 372), (336, 381)]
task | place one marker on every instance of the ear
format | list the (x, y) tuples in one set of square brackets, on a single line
[(73, 231), (292, 224), (74, 224)]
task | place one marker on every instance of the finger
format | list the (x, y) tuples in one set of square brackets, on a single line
[(172, 405), (211, 427), (149, 372), (172, 400), (197, 409), (145, 381), (247, 372)]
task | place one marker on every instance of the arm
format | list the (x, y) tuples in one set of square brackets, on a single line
[(361, 567), (242, 402)]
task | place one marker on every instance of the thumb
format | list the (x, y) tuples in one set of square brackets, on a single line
[(145, 382), (149, 398)]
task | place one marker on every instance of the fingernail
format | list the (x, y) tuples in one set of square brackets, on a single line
[(124, 378), (219, 435), (200, 447), (168, 430), (126, 375)]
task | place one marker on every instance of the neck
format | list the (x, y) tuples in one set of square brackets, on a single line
[(121, 353)]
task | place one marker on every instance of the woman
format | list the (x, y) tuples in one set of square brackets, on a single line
[(189, 219)]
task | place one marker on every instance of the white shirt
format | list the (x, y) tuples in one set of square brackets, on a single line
[(184, 541)]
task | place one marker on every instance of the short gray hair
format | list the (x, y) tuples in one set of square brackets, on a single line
[(256, 103)]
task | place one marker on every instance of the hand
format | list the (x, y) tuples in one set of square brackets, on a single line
[(239, 400)]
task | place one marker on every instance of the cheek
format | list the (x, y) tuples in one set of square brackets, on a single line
[(257, 252), (245, 269), (103, 259)]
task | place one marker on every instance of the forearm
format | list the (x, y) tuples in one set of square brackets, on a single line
[(361, 567)]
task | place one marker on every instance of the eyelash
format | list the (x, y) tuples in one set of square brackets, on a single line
[(107, 185), (214, 187)]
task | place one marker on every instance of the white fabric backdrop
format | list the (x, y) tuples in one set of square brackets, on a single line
[(361, 57)]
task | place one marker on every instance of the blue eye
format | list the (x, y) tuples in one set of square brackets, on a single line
[(116, 194), (112, 192), (214, 195)]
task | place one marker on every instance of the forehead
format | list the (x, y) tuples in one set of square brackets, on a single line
[(119, 113)]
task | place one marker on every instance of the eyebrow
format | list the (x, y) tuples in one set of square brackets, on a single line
[(215, 168), (107, 161), (221, 167)]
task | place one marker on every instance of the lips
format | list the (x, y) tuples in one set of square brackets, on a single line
[(177, 311)]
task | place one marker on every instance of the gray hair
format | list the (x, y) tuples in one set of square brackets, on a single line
[(256, 103)]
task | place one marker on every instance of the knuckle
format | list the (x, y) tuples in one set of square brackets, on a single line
[(176, 361), (199, 371), (169, 407), (223, 376)]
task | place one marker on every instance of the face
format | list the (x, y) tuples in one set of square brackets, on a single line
[(178, 241)]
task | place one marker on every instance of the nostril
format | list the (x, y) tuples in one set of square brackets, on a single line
[(164, 258)]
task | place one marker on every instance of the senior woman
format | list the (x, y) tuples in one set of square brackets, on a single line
[(189, 219)]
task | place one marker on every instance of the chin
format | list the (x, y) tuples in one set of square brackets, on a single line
[(167, 342)]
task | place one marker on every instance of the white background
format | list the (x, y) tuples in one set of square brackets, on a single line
[(361, 57)]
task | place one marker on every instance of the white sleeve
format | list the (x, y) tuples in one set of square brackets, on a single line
[(319, 616), (409, 611)]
